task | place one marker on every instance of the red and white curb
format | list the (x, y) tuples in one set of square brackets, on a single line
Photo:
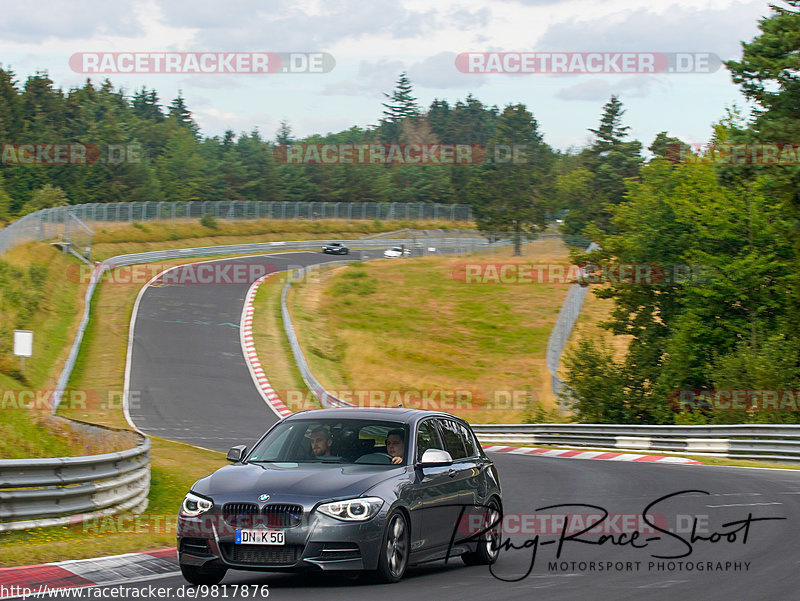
[(30, 580), (601, 455), (249, 348)]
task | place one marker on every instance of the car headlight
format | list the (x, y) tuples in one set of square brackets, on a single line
[(194, 505), (352, 510)]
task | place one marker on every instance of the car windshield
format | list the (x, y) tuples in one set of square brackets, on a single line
[(338, 441)]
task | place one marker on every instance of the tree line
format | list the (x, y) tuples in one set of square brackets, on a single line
[(723, 344), (142, 150)]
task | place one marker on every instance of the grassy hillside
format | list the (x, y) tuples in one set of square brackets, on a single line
[(37, 294), (403, 329)]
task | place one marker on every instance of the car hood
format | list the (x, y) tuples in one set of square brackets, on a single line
[(287, 482)]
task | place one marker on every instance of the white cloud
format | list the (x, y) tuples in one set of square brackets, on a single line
[(35, 22), (670, 29), (373, 79), (595, 90), (439, 71)]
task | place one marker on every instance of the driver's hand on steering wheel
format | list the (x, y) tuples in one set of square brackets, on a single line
[(397, 460)]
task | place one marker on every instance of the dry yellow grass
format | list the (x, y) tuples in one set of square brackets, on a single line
[(423, 329), (595, 311)]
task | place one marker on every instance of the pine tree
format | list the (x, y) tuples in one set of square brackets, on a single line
[(10, 109), (145, 105), (439, 115), (611, 159), (284, 134), (180, 113), (507, 196), (402, 105), (611, 132)]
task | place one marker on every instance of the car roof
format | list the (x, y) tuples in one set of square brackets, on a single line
[(400, 414)]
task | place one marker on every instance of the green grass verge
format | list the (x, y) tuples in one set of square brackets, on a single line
[(25, 429), (400, 330)]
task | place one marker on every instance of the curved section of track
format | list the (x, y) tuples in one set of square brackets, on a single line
[(188, 377)]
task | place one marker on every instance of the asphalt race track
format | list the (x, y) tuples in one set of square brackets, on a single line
[(188, 379), (194, 386)]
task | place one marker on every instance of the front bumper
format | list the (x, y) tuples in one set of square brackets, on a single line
[(319, 542)]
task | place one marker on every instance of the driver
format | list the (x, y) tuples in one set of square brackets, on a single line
[(321, 440), (395, 445)]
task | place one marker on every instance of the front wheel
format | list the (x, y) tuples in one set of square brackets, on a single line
[(489, 543), (395, 548), (199, 576)]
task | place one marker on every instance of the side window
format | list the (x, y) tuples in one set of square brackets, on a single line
[(453, 440), (469, 441), (427, 438)]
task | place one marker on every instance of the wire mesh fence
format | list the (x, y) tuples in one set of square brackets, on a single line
[(51, 223)]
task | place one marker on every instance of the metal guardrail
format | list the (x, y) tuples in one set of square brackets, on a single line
[(567, 316), (49, 223), (740, 441), (36, 493), (325, 398)]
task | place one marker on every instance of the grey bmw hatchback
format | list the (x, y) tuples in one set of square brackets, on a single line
[(356, 489)]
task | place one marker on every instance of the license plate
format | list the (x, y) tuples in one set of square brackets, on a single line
[(260, 537)]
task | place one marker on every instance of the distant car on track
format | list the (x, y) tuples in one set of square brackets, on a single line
[(336, 248), (362, 489), (396, 252)]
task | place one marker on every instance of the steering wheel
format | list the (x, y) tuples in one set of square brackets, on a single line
[(380, 458)]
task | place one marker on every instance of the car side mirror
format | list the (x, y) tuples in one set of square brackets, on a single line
[(435, 458), (236, 453)]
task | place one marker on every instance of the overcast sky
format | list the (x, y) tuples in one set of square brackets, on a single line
[(373, 41)]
